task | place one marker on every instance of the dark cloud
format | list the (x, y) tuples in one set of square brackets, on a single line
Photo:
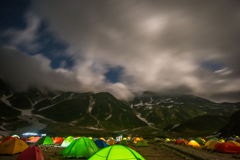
[(160, 45)]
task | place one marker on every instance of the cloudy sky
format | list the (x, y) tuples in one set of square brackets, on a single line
[(123, 47)]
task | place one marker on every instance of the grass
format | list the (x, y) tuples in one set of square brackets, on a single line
[(201, 123)]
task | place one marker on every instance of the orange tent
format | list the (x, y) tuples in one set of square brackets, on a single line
[(35, 139), (227, 148), (13, 146), (58, 140), (184, 143), (179, 141)]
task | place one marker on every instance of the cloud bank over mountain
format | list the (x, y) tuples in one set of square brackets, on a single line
[(168, 46)]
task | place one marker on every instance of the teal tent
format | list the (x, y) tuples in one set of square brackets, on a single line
[(67, 141), (45, 140), (141, 143), (116, 152), (80, 148)]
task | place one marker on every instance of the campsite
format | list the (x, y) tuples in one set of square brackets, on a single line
[(50, 148)]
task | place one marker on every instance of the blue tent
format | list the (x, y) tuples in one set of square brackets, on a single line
[(189, 139), (179, 138), (100, 143), (230, 139)]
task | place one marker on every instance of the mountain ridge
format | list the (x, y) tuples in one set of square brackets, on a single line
[(104, 111)]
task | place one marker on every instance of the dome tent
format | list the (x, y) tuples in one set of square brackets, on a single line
[(45, 140), (141, 143), (67, 141), (124, 142), (13, 146), (200, 141), (31, 153), (116, 152), (101, 143), (80, 148)]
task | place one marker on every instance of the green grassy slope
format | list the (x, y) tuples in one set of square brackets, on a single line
[(68, 110), (163, 110), (6, 111), (200, 123), (232, 127), (122, 116)]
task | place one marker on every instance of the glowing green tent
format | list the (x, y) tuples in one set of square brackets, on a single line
[(45, 140), (67, 141), (116, 152), (124, 142), (141, 143), (80, 148), (16, 136)]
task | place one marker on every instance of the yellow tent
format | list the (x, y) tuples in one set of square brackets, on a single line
[(31, 137), (207, 143), (233, 142), (212, 143), (193, 143), (222, 140), (13, 146), (111, 142), (184, 143)]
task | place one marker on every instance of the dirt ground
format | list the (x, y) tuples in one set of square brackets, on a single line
[(153, 152)]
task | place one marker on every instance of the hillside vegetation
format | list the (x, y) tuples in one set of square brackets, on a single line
[(200, 123)]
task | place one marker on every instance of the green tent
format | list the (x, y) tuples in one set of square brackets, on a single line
[(67, 141), (214, 138), (141, 143), (16, 136), (124, 142), (200, 141), (116, 152), (45, 140), (80, 148)]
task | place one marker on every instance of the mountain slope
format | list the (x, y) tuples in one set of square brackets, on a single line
[(232, 127), (199, 123), (163, 110), (101, 110)]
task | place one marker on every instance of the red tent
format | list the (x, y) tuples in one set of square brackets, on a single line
[(35, 139), (9, 137), (227, 148), (179, 141), (58, 140), (31, 153), (24, 139)]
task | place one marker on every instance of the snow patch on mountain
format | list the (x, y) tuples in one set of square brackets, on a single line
[(38, 101), (37, 115), (139, 104), (169, 106), (46, 107), (108, 117), (56, 96), (71, 95), (5, 100), (143, 119), (176, 125)]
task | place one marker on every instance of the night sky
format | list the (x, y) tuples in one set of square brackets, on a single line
[(123, 47)]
